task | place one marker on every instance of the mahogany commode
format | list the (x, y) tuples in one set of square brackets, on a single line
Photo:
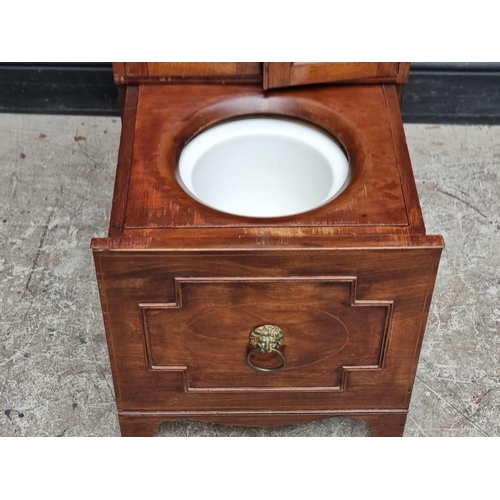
[(264, 321)]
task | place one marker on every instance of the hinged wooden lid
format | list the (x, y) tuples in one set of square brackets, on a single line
[(290, 74), (188, 72), (269, 74)]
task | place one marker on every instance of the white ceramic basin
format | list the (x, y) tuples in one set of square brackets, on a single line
[(263, 167)]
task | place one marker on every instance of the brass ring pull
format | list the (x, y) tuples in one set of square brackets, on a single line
[(268, 339), (261, 368)]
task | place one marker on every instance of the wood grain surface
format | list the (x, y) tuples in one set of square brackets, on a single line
[(290, 74), (378, 192), (187, 72)]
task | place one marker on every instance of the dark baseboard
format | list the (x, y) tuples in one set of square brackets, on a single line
[(462, 93), (453, 94), (58, 89)]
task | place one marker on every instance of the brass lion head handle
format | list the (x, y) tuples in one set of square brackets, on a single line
[(267, 339)]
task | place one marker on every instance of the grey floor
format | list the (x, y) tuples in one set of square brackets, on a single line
[(56, 184)]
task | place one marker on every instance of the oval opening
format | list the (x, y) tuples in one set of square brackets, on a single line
[(263, 167)]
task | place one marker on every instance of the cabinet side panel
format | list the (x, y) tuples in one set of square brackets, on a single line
[(407, 178), (118, 210)]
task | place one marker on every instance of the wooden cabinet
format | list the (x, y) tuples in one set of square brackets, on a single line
[(184, 288)]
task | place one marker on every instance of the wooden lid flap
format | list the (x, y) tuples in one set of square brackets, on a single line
[(290, 74), (188, 72), (270, 74)]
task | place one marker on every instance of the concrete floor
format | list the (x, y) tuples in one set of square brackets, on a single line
[(56, 184)]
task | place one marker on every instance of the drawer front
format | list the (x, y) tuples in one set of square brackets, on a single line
[(206, 332), (179, 327)]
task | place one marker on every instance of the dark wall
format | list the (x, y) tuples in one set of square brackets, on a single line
[(435, 93), (71, 88), (465, 93)]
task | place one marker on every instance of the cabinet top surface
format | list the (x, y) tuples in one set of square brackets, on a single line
[(160, 120)]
